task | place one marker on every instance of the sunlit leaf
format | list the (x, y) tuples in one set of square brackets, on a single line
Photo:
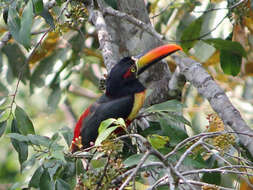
[(24, 123), (35, 180), (5, 115), (102, 136), (46, 48), (158, 141), (98, 163), (105, 124), (191, 34)]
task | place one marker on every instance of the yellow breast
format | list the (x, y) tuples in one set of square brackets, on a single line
[(139, 99)]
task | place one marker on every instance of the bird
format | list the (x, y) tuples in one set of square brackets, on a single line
[(123, 98)]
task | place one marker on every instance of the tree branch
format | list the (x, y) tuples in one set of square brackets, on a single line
[(209, 89)]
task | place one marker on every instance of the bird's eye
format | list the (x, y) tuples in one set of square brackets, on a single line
[(133, 69)]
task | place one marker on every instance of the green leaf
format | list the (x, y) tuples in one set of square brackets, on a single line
[(48, 17), (102, 136), (38, 6), (174, 132), (231, 54), (168, 106), (67, 134), (177, 118), (62, 185), (16, 61), (29, 163), (5, 102), (158, 141), (112, 3), (135, 159), (54, 168), (230, 63), (5, 115), (98, 163), (45, 181), (58, 154), (212, 177), (54, 97), (4, 91), (20, 28), (191, 34), (20, 147), (24, 123), (105, 124), (233, 47), (35, 180), (39, 140), (18, 137), (2, 127)]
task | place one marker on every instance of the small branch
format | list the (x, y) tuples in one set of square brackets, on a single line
[(146, 27), (37, 45), (188, 151), (136, 169), (77, 90), (104, 173), (204, 184)]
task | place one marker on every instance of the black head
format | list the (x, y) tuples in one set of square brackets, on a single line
[(122, 80)]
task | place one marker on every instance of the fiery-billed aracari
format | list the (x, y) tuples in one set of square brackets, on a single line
[(124, 96)]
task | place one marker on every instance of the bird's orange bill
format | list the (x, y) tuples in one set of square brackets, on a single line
[(155, 55)]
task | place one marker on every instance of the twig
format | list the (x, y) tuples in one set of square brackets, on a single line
[(37, 45), (217, 9), (136, 169), (146, 27), (164, 9), (77, 90), (104, 173), (204, 184)]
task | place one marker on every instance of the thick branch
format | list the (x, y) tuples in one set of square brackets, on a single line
[(209, 89), (105, 40)]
